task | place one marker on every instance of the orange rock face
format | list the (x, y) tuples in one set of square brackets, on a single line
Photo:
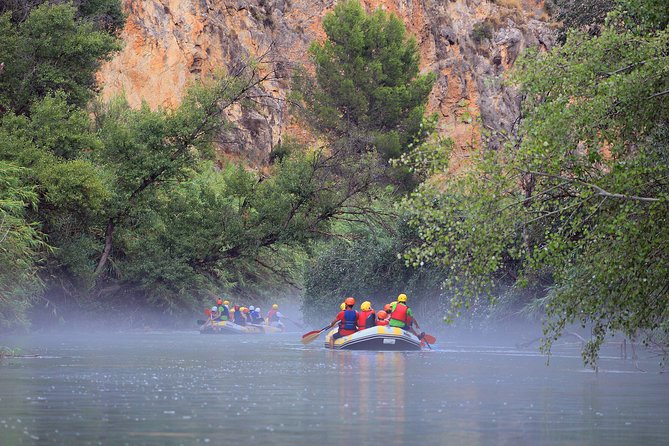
[(469, 44)]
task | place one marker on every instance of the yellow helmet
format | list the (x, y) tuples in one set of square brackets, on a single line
[(226, 302), (366, 306), (275, 306), (402, 298), (342, 306)]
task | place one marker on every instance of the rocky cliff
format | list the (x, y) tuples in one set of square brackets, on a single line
[(470, 44)]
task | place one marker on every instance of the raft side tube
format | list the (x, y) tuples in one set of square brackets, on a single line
[(379, 338)]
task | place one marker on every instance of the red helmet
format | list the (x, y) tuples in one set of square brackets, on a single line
[(349, 301), (387, 308)]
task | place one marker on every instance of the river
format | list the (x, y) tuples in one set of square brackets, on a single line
[(183, 388)]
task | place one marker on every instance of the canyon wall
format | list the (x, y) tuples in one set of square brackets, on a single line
[(469, 44)]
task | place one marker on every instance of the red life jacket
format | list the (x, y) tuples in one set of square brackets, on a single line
[(400, 313), (271, 315), (362, 319), (382, 322)]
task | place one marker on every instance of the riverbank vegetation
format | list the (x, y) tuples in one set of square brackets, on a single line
[(105, 208)]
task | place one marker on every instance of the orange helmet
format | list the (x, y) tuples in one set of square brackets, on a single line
[(387, 307), (349, 301), (382, 314), (219, 302), (245, 310)]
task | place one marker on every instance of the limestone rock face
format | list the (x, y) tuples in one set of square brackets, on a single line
[(469, 44)]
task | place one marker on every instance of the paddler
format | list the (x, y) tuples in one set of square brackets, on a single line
[(366, 317), (401, 315), (225, 310), (382, 318), (347, 320), (238, 316), (274, 317)]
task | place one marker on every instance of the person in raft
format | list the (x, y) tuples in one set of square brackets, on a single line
[(274, 317), (401, 315), (214, 315), (382, 318), (347, 319), (224, 310), (366, 318), (239, 316)]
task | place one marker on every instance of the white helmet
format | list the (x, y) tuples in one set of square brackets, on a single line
[(257, 310), (214, 308), (251, 308)]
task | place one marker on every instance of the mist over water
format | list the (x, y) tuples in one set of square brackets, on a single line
[(183, 388)]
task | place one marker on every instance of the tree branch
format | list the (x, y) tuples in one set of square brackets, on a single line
[(599, 190)]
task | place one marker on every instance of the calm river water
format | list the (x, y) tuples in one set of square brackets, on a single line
[(182, 388)]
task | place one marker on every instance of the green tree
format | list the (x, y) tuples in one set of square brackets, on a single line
[(367, 92), (368, 267), (577, 204), (51, 50), (21, 247)]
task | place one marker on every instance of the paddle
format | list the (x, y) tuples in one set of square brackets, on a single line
[(430, 339), (308, 338), (427, 339), (201, 322)]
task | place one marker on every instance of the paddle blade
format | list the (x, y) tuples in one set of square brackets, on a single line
[(311, 336), (430, 339)]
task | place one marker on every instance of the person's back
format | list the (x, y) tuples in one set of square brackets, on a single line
[(366, 317), (382, 318), (400, 313), (238, 317)]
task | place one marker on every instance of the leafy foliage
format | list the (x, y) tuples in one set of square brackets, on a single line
[(579, 203), (21, 247), (367, 93), (51, 50), (369, 268)]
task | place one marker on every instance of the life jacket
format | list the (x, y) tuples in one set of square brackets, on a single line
[(350, 318), (239, 318), (225, 312), (400, 314), (382, 322), (271, 315), (364, 319)]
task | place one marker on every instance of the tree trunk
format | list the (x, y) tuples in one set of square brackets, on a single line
[(109, 237)]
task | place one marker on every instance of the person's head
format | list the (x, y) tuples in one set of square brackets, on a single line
[(251, 308), (349, 302), (214, 309), (381, 314), (387, 308), (245, 310), (402, 298), (366, 306), (226, 302), (275, 307), (258, 310), (236, 307), (219, 302)]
